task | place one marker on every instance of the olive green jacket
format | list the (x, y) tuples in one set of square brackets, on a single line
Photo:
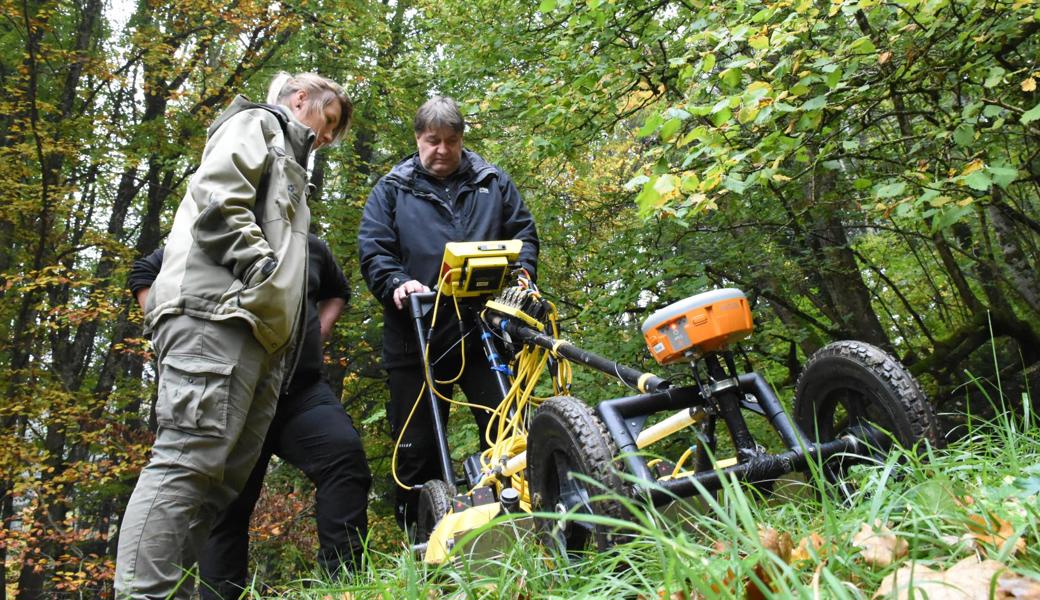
[(238, 247)]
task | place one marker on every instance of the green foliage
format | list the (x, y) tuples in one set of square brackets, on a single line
[(859, 169), (784, 147)]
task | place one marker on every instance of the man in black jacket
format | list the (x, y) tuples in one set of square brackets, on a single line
[(310, 430), (441, 194)]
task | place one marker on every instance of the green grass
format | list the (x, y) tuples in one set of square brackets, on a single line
[(933, 499)]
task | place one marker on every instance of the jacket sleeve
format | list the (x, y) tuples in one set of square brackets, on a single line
[(144, 271), (225, 188), (378, 246), (518, 224), (332, 282)]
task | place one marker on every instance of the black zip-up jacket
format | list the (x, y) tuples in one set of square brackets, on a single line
[(409, 217)]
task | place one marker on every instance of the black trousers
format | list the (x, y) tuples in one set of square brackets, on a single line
[(417, 460), (313, 433)]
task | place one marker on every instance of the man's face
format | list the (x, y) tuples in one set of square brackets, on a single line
[(440, 150)]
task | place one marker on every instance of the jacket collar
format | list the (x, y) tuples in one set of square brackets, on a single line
[(300, 138), (407, 175)]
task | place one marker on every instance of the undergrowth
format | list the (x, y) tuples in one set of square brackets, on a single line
[(976, 497)]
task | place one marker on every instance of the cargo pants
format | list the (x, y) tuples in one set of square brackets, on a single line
[(218, 390)]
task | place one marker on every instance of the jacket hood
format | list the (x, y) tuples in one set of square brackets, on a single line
[(404, 173), (299, 136)]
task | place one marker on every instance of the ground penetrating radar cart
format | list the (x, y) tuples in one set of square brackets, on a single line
[(562, 460)]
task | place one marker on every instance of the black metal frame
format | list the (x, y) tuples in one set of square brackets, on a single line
[(624, 417), (725, 394), (420, 305)]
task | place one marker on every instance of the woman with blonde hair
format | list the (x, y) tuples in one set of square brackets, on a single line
[(224, 314)]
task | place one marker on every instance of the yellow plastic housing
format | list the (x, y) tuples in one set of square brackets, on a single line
[(478, 268), (698, 325)]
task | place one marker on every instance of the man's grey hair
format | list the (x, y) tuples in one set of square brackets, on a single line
[(437, 112)]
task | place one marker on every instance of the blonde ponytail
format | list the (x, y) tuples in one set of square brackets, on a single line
[(274, 91)]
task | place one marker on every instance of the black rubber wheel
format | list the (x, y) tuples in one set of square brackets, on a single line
[(434, 502), (850, 385), (565, 438)]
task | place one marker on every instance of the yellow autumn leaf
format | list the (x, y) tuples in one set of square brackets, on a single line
[(878, 546), (710, 182), (702, 202), (973, 166), (756, 86), (994, 532), (808, 546), (747, 114), (689, 182), (667, 186)]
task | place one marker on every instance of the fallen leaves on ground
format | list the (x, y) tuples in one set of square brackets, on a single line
[(1018, 587), (993, 531), (779, 543), (808, 547), (967, 580), (878, 546)]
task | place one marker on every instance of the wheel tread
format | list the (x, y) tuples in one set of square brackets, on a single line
[(594, 444), (907, 392), (437, 496)]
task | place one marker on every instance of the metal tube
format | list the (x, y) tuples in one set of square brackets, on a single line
[(642, 381), (728, 402), (443, 454), (610, 412), (708, 444), (646, 404), (665, 428), (491, 352), (515, 465), (762, 468), (791, 435)]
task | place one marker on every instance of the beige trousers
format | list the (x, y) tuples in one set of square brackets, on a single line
[(218, 389)]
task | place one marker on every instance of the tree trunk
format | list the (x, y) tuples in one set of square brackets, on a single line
[(840, 274), (1021, 273)]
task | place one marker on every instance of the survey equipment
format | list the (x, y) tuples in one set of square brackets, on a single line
[(559, 459)]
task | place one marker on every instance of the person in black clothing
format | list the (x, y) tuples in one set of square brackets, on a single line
[(310, 430), (443, 193)]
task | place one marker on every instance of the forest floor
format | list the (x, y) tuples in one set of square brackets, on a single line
[(960, 522)]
